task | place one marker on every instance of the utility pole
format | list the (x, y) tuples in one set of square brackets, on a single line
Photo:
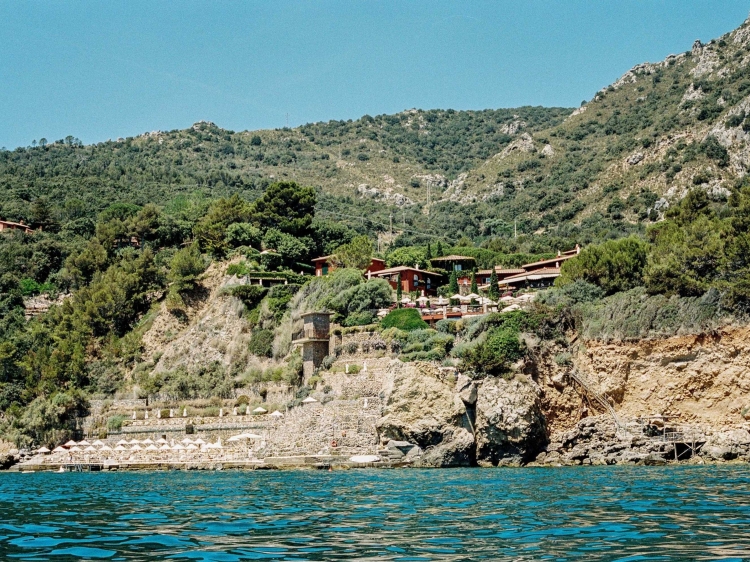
[(391, 222)]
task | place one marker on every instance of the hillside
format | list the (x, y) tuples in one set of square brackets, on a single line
[(143, 239), (616, 162)]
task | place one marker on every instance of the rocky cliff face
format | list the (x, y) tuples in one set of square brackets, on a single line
[(699, 384), (510, 426), (423, 407), (701, 380), (459, 422)]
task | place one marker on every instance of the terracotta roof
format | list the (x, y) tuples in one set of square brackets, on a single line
[(543, 273), (402, 268), (453, 258), (16, 224), (326, 258), (545, 262)]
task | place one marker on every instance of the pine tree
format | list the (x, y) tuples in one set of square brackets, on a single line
[(439, 250), (474, 287), (428, 253), (399, 291), (494, 291), (453, 283)]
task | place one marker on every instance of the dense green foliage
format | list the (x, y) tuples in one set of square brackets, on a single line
[(615, 265), (406, 319)]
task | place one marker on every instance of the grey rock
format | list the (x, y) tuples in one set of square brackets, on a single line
[(422, 410), (635, 158), (466, 389), (509, 420), (718, 452), (654, 460), (456, 450)]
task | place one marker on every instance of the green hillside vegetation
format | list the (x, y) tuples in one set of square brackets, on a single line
[(649, 177)]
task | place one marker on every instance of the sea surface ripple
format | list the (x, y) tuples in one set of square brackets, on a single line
[(607, 513)]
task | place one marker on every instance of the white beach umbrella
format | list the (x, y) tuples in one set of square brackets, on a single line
[(259, 410), (106, 448), (136, 447), (507, 298), (152, 447), (472, 296), (527, 297), (42, 450), (147, 441), (98, 443), (511, 308), (84, 443), (405, 300), (70, 443), (75, 449), (178, 447), (162, 441), (199, 441), (90, 449), (191, 447), (120, 448), (121, 442), (187, 440), (423, 299), (309, 400), (276, 414), (165, 447), (134, 442), (59, 449)]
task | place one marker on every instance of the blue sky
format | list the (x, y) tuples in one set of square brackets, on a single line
[(100, 70)]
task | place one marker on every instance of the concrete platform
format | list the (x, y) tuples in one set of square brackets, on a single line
[(321, 462)]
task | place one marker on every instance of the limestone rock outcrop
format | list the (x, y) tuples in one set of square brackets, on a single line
[(510, 427), (423, 408)]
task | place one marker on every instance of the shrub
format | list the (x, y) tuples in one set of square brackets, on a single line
[(261, 343), (250, 295), (350, 348), (359, 319), (327, 362), (446, 326), (495, 354), (564, 359), (114, 423), (407, 319)]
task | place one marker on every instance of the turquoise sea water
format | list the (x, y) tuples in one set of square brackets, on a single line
[(608, 513)]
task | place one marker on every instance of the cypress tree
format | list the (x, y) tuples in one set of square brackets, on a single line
[(428, 253), (493, 291), (439, 250), (474, 287), (399, 291), (453, 284)]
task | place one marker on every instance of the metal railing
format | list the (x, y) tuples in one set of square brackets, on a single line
[(600, 398)]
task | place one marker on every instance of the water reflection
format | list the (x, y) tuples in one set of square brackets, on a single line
[(609, 513)]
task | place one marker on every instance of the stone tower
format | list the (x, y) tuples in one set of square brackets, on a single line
[(314, 338)]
